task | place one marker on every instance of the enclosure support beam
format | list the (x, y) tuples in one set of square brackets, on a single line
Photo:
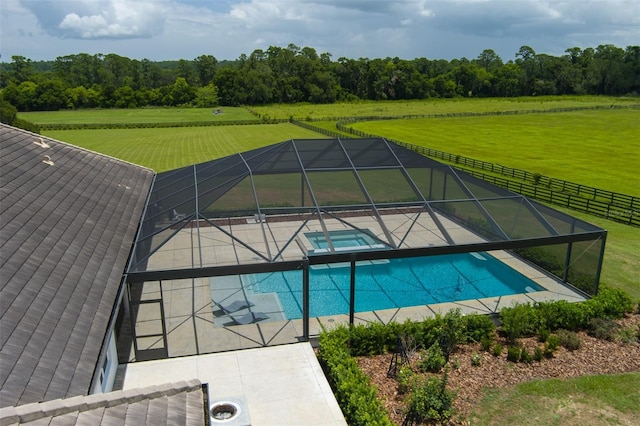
[(305, 300), (600, 260), (567, 259), (352, 291)]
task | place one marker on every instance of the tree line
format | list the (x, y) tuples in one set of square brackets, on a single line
[(292, 74)]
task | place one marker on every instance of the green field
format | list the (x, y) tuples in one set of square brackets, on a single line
[(589, 400), (594, 148), (436, 106), (141, 115), (163, 149)]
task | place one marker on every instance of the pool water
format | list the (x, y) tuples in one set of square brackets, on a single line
[(343, 240), (394, 283)]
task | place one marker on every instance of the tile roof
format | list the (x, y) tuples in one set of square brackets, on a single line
[(68, 217), (179, 403)]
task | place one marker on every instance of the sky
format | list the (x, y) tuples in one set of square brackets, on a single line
[(185, 29)]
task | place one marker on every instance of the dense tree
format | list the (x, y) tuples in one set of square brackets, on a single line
[(205, 66), (301, 74)]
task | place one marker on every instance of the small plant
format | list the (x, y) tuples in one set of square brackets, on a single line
[(569, 340), (548, 351), (479, 328), (629, 335), (405, 376), (518, 321), (433, 359), (538, 353), (553, 341), (543, 335), (430, 400), (453, 329), (513, 353), (486, 343), (476, 359), (455, 363), (525, 356), (497, 349), (603, 328)]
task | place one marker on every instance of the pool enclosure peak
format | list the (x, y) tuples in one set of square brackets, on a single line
[(327, 200)]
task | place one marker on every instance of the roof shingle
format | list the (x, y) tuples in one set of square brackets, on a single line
[(65, 235)]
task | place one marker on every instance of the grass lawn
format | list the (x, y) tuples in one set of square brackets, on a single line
[(139, 115), (588, 400), (165, 149), (595, 148), (434, 106)]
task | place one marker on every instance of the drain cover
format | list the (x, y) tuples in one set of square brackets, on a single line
[(224, 411)]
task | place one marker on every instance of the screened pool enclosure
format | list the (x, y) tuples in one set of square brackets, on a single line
[(213, 233)]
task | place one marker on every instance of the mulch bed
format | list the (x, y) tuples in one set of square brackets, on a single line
[(468, 381)]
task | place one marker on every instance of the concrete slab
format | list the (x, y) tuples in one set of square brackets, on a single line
[(283, 385)]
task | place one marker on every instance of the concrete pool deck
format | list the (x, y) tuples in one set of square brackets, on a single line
[(196, 324)]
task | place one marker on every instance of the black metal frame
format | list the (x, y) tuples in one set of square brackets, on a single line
[(239, 166)]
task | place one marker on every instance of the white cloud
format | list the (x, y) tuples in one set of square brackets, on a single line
[(92, 19), (174, 29)]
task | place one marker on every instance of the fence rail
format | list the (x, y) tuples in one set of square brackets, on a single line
[(599, 202), (568, 200)]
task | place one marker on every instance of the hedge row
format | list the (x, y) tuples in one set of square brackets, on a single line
[(353, 390), (92, 126), (524, 320)]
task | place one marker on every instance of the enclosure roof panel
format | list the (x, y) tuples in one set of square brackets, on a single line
[(229, 207)]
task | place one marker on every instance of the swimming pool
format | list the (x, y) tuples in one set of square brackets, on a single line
[(394, 283)]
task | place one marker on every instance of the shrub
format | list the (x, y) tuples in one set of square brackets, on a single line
[(405, 376), (543, 335), (479, 328), (551, 345), (476, 359), (497, 349), (513, 353), (562, 314), (628, 335), (486, 343), (455, 363), (372, 339), (553, 342), (610, 303), (525, 356), (433, 359), (603, 328), (453, 331), (518, 321), (430, 401), (569, 339), (538, 353)]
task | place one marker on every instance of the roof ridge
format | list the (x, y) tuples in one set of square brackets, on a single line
[(57, 407)]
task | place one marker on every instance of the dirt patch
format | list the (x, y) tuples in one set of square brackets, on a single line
[(468, 381)]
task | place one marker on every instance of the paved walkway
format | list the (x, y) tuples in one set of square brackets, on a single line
[(282, 385)]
